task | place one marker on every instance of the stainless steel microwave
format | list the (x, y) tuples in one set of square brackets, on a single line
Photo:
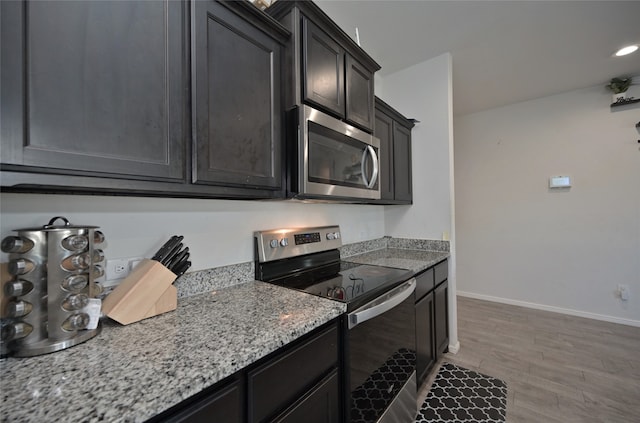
[(334, 160)]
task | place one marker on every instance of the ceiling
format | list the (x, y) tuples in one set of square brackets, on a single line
[(503, 52)]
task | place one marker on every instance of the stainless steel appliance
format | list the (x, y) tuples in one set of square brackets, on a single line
[(333, 159), (379, 326), (54, 271)]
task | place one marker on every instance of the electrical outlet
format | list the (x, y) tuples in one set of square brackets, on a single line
[(116, 269), (623, 291), (120, 268)]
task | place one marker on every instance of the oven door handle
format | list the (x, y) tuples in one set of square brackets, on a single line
[(382, 305)]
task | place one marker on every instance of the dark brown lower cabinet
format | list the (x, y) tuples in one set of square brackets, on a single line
[(282, 381), (319, 406), (225, 405), (440, 295), (299, 382), (432, 318), (425, 348)]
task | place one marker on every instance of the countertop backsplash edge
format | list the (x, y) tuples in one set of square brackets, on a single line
[(207, 280)]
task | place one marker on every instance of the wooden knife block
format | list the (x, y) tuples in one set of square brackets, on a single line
[(148, 291)]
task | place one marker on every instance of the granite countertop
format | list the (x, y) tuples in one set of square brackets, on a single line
[(415, 260), (132, 373)]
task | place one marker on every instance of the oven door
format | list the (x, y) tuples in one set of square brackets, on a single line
[(338, 159), (381, 358)]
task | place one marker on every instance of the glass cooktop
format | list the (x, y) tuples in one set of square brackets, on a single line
[(353, 283)]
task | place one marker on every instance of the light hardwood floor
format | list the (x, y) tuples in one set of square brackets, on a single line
[(558, 368)]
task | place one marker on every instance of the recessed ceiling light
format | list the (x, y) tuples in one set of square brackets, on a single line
[(626, 50)]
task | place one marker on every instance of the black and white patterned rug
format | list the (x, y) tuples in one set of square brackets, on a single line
[(462, 395), (371, 399)]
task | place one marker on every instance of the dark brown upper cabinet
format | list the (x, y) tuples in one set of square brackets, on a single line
[(323, 70), (394, 132), (237, 88), (326, 68), (95, 88), (359, 94), (402, 183), (384, 132), (163, 98)]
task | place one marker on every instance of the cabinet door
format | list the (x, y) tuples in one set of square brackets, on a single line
[(402, 164), (359, 94), (424, 283), (223, 406), (95, 88), (425, 348), (321, 405), (384, 131), (441, 304), (238, 113), (322, 70), (279, 383)]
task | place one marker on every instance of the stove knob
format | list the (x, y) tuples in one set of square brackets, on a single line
[(330, 236), (284, 242), (273, 243), (337, 235)]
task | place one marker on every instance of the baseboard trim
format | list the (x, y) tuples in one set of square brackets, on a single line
[(571, 312), (454, 348)]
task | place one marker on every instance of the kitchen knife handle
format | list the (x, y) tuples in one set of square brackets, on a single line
[(182, 268), (182, 256), (167, 259), (167, 247)]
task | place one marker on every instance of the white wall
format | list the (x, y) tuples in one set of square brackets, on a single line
[(565, 250), (218, 232), (424, 92)]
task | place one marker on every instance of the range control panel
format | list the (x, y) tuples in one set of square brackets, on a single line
[(278, 244)]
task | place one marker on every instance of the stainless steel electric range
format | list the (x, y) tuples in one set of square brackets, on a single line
[(379, 326)]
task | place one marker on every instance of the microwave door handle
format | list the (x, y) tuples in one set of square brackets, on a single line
[(363, 161), (374, 309), (374, 159)]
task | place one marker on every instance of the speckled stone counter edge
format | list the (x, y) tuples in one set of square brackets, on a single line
[(202, 281), (131, 373)]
